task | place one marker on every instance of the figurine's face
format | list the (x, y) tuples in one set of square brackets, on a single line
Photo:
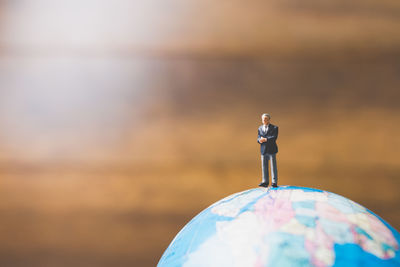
[(265, 120)]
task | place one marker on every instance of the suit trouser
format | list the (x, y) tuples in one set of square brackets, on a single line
[(274, 171)]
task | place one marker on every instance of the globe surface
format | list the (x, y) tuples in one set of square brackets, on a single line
[(284, 226)]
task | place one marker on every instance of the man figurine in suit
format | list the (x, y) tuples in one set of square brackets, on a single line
[(267, 135)]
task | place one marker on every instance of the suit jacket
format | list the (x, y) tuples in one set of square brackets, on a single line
[(270, 146)]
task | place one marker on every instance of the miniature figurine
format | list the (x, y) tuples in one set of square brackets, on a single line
[(267, 135)]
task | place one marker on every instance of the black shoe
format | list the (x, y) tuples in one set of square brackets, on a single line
[(263, 184), (274, 185)]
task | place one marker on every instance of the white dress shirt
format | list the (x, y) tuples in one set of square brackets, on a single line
[(265, 128)]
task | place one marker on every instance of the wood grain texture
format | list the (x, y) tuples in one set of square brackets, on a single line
[(122, 120)]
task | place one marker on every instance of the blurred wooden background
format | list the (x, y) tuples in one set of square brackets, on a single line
[(121, 120)]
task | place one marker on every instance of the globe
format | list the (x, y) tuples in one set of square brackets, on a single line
[(284, 226)]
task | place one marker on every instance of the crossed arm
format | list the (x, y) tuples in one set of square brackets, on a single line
[(272, 136)]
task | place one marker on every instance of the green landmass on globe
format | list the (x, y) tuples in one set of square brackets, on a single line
[(284, 226)]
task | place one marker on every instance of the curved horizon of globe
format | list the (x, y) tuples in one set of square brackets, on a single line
[(284, 226)]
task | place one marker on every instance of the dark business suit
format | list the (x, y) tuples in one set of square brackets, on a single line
[(268, 152)]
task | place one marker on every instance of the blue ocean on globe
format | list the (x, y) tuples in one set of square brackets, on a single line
[(284, 226)]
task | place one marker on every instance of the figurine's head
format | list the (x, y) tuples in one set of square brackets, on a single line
[(265, 118)]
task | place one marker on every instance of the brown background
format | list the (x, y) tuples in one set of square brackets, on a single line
[(121, 120)]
